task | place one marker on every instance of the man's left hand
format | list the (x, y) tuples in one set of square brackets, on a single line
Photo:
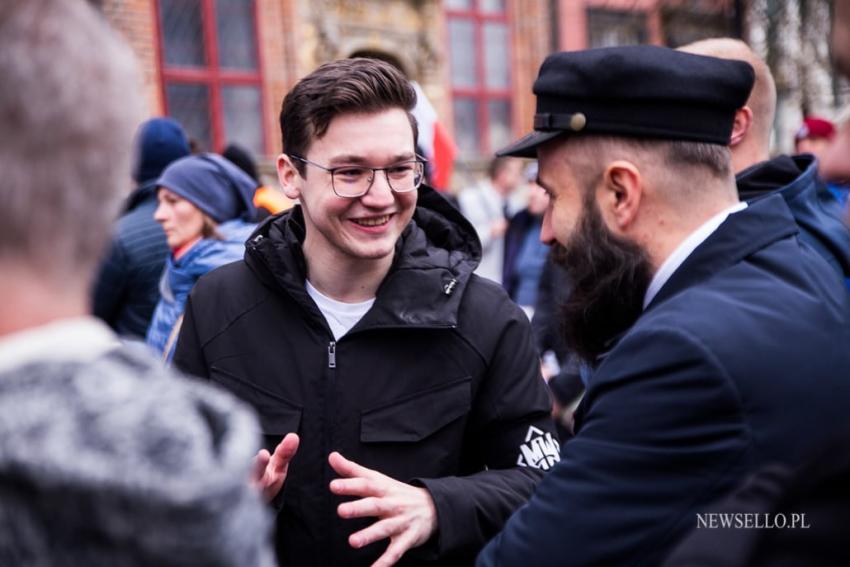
[(406, 514)]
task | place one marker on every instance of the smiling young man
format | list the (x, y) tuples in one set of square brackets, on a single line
[(356, 328)]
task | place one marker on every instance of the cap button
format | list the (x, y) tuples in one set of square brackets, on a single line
[(578, 121)]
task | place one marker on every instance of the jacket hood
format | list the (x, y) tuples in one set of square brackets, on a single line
[(142, 194), (159, 142), (434, 260), (768, 176), (816, 211)]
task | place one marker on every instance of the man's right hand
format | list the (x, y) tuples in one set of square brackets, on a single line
[(270, 469)]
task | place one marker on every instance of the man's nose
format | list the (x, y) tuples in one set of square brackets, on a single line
[(547, 234), (380, 194)]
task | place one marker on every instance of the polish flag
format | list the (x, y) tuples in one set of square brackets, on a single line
[(434, 141)]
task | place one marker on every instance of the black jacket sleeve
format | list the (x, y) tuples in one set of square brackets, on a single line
[(189, 354), (512, 428), (663, 434)]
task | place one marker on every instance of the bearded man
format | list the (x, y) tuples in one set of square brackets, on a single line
[(718, 339)]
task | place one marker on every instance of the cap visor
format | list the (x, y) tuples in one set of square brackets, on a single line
[(526, 147)]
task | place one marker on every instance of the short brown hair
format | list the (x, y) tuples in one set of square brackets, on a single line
[(360, 85)]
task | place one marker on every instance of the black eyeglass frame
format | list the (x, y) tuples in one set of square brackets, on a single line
[(418, 160)]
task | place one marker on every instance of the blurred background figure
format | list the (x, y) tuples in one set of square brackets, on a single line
[(525, 255), (126, 289), (814, 136), (105, 457), (487, 206), (563, 371), (206, 209), (268, 200), (835, 165)]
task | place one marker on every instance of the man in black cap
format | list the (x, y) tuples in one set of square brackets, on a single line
[(705, 318)]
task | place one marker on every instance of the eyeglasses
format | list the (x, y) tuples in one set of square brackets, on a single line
[(352, 181)]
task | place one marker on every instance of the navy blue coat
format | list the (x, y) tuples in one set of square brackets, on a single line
[(127, 288), (818, 214), (741, 359)]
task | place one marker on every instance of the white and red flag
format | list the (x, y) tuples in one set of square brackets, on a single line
[(434, 141)]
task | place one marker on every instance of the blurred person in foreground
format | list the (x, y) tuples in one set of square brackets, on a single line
[(717, 338), (818, 214), (105, 458), (206, 210), (400, 394)]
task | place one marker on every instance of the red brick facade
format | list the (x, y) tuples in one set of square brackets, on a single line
[(295, 36)]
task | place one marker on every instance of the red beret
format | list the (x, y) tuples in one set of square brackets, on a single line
[(814, 127)]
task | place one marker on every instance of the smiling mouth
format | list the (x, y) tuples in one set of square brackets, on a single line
[(374, 221)]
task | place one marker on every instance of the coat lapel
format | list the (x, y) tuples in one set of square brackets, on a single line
[(741, 235)]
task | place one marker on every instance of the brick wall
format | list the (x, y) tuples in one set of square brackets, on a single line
[(135, 20), (295, 36)]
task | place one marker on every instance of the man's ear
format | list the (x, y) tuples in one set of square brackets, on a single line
[(743, 123), (620, 193), (288, 177)]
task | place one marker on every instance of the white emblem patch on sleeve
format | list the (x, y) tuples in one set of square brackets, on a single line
[(540, 450)]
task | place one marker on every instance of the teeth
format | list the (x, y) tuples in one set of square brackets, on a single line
[(373, 221)]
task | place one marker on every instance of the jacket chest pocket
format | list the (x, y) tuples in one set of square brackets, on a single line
[(277, 415), (415, 417)]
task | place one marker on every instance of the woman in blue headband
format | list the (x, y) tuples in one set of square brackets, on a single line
[(206, 210)]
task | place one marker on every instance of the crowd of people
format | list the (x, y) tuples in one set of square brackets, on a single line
[(639, 319)]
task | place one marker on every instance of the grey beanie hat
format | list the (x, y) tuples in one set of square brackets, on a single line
[(118, 462)]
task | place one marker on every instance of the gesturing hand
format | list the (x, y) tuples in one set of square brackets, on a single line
[(406, 513), (270, 469)]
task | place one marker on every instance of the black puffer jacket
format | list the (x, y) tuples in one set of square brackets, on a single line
[(438, 384)]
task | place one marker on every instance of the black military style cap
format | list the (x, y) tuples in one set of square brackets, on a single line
[(640, 91)]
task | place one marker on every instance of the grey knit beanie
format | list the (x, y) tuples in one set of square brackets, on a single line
[(118, 462)]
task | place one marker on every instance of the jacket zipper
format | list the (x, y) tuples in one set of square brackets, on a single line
[(332, 354), (328, 554)]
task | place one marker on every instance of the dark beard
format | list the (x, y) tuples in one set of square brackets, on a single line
[(610, 276)]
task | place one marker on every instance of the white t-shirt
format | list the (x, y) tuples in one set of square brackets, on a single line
[(341, 316)]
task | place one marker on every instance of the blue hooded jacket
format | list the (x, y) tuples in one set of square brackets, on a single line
[(817, 212), (180, 276)]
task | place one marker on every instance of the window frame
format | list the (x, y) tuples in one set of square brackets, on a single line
[(481, 93), (212, 75)]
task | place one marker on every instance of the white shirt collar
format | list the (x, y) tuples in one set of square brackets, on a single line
[(72, 339), (685, 248)]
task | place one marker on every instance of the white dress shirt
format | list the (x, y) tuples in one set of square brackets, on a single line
[(685, 249)]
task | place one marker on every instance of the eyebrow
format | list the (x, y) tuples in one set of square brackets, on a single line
[(347, 159)]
